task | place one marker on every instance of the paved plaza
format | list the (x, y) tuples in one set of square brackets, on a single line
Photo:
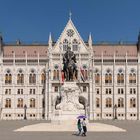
[(7, 131), (68, 126)]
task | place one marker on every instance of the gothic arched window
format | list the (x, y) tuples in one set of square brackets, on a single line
[(97, 76), (32, 103), (56, 73), (20, 77), (75, 45), (120, 102), (108, 102), (132, 102), (132, 76), (8, 77), (32, 77), (8, 103), (43, 78), (108, 76), (20, 103), (65, 44), (120, 77), (97, 102)]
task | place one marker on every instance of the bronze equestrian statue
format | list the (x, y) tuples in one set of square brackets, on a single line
[(69, 68)]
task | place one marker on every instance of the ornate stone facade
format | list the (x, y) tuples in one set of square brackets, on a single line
[(107, 85)]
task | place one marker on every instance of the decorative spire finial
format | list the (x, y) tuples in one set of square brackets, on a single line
[(90, 40), (50, 39), (70, 14)]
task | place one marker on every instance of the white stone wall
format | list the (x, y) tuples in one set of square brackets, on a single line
[(131, 113), (86, 57), (98, 113), (18, 113)]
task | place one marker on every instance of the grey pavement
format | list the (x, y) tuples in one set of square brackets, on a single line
[(7, 133)]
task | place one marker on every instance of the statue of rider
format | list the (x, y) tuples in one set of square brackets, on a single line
[(69, 61)]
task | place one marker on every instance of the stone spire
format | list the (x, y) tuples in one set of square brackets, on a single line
[(70, 14), (90, 40), (50, 40)]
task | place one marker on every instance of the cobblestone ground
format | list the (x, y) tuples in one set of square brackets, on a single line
[(7, 127)]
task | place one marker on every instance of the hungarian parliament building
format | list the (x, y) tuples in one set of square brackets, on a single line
[(31, 77)]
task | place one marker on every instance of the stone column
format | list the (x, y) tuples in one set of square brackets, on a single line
[(2, 76), (48, 87), (138, 88), (26, 84), (47, 95), (102, 86), (14, 81), (91, 97), (38, 93), (114, 85), (126, 87)]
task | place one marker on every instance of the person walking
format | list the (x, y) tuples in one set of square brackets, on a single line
[(79, 126), (84, 125)]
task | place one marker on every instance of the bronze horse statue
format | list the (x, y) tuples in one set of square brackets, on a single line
[(70, 68)]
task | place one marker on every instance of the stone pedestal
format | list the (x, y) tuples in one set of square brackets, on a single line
[(69, 107)]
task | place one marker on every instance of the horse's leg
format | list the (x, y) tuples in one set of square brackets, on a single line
[(75, 74), (67, 74), (71, 74)]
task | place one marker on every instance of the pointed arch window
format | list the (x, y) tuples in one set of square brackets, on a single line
[(8, 77), (108, 77), (32, 103), (32, 77), (56, 73), (132, 76), (20, 103), (97, 76), (8, 103), (84, 72), (43, 78), (20, 77), (120, 77), (120, 102), (108, 102), (65, 44), (75, 45), (97, 102), (132, 102)]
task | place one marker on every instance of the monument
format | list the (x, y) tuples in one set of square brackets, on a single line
[(69, 68), (69, 107)]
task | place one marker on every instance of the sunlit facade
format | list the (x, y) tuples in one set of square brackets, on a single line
[(108, 77)]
